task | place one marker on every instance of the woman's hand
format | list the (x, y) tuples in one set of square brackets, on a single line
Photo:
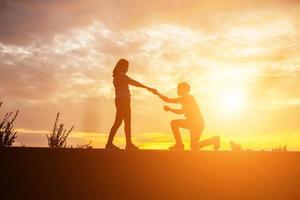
[(154, 91)]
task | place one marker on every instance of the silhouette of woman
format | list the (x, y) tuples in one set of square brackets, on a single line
[(122, 101)]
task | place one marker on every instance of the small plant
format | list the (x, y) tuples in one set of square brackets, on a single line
[(280, 148), (7, 132), (58, 137), (235, 147), (85, 146)]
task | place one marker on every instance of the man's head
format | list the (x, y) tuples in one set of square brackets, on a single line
[(183, 89)]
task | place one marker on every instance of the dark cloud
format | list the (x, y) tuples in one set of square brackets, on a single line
[(23, 22)]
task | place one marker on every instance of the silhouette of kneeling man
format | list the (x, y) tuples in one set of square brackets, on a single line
[(193, 119)]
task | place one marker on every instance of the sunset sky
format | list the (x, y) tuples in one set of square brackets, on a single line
[(241, 57)]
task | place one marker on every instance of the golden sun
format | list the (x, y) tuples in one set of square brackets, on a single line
[(233, 102)]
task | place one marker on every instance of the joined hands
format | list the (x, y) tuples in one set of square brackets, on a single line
[(153, 90)]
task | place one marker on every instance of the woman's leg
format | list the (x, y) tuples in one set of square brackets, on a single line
[(127, 121), (116, 125)]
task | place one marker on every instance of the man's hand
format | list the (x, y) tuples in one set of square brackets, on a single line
[(167, 108)]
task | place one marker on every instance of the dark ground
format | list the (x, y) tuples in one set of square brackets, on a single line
[(42, 173)]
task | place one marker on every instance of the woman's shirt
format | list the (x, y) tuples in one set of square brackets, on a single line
[(121, 83)]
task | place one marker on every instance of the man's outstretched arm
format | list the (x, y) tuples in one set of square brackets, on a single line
[(167, 99)]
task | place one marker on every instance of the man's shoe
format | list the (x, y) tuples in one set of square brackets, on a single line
[(177, 147), (111, 147), (131, 146), (216, 143)]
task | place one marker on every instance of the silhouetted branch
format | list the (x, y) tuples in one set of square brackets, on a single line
[(7, 132), (58, 137)]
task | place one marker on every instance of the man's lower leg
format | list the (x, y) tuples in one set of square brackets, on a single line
[(176, 134)]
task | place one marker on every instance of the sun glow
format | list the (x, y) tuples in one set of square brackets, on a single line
[(233, 101)]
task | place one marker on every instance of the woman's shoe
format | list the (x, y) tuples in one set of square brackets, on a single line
[(177, 147), (131, 146), (111, 147)]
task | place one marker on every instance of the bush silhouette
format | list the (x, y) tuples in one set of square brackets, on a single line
[(82, 146), (7, 132), (58, 137), (280, 148), (85, 146)]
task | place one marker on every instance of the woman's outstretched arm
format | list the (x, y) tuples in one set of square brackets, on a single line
[(138, 84)]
